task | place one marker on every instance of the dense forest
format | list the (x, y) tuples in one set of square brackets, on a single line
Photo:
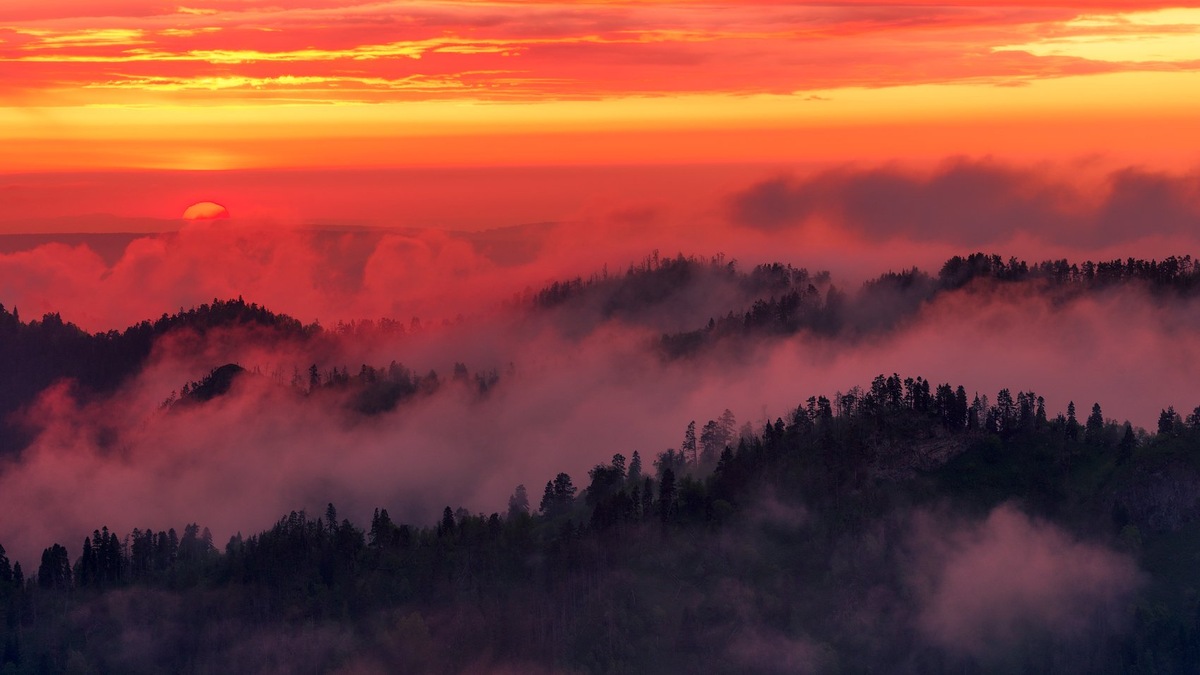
[(790, 301), (900, 525), (741, 550)]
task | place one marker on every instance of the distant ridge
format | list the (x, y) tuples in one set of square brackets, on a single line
[(110, 246), (506, 245)]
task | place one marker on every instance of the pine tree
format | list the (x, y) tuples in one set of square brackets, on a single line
[(728, 426), (1168, 422), (711, 443), (618, 464), (55, 571), (86, 573), (518, 503), (558, 496), (1094, 432), (1072, 423), (689, 443), (331, 522)]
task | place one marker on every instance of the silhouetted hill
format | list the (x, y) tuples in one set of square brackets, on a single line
[(38, 353), (217, 383)]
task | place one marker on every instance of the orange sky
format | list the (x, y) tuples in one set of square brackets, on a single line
[(221, 84)]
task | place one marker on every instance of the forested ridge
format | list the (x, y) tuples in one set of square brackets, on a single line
[(781, 298), (768, 300), (38, 353), (738, 550), (790, 300)]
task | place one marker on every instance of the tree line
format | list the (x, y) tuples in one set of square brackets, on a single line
[(798, 305), (632, 554)]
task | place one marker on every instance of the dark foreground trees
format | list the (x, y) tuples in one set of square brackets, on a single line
[(773, 557)]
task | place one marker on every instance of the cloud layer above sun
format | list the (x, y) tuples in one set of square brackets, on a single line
[(224, 83), (353, 50)]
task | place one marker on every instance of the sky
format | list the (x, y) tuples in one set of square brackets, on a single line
[(121, 96)]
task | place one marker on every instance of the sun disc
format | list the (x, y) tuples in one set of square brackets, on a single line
[(205, 211)]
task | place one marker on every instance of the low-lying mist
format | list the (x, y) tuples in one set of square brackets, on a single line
[(854, 221), (570, 393), (448, 368), (578, 380)]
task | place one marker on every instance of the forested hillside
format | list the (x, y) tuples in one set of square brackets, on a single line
[(35, 354), (693, 302), (800, 546), (900, 525)]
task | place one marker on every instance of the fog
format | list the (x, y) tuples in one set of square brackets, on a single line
[(573, 391), (980, 202), (577, 384), (584, 374), (986, 588), (854, 221)]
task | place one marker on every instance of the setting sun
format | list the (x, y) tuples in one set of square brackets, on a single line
[(205, 211)]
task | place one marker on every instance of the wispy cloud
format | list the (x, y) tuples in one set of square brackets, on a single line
[(881, 63), (1161, 36), (598, 49)]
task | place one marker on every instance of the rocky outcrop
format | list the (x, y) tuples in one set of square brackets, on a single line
[(1161, 497)]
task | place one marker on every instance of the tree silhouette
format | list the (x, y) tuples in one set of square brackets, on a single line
[(1094, 432), (518, 503), (1168, 422), (558, 496), (55, 571), (1072, 430)]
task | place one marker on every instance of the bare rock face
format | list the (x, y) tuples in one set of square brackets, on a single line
[(1162, 497), (901, 461)]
